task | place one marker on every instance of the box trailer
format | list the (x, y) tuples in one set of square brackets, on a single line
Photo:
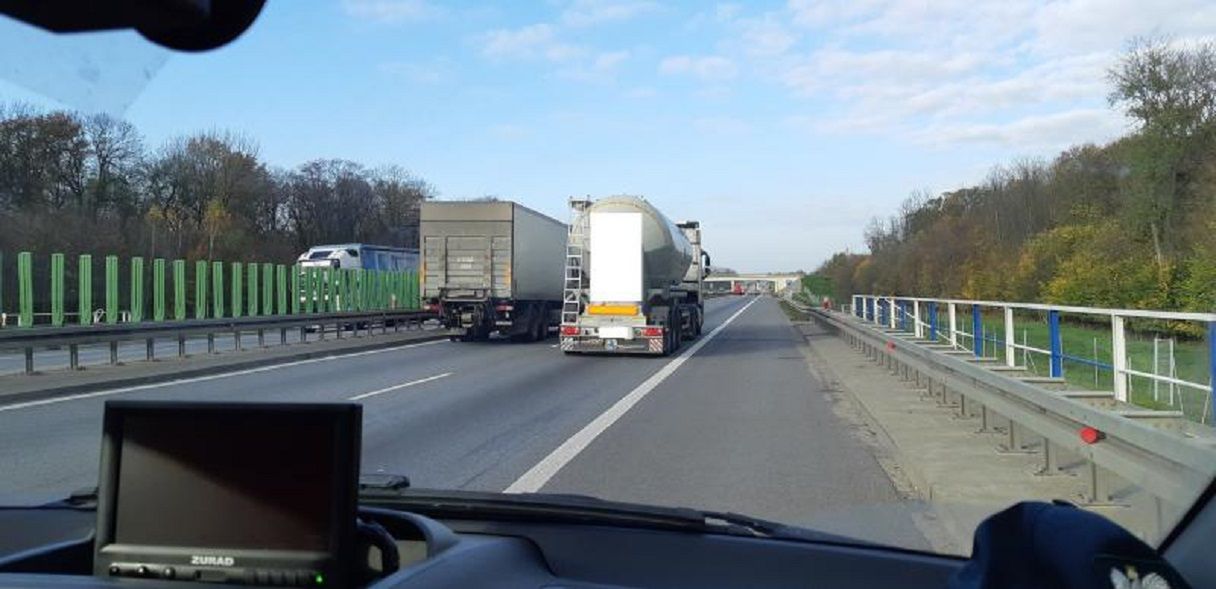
[(492, 267)]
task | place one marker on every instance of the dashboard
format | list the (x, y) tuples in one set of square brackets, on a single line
[(42, 547)]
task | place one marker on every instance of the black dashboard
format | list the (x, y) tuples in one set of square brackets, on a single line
[(42, 547)]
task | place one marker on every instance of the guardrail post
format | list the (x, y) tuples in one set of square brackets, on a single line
[(25, 290), (111, 290), (267, 288), (57, 289), (933, 321), (200, 289), (237, 304), (1212, 370), (179, 290), (1056, 344), (977, 331), (1118, 343), (253, 289), (137, 289), (84, 304), (1010, 342), (158, 289), (217, 289)]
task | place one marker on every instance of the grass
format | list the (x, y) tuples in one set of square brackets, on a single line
[(1092, 342)]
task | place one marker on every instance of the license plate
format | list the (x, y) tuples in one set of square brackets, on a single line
[(616, 332)]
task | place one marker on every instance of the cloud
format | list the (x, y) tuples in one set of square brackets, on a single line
[(434, 72), (582, 13), (537, 40), (602, 68), (391, 11), (709, 68), (766, 36), (1049, 131)]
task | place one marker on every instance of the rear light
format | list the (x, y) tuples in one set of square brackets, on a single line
[(569, 330), (652, 331), (504, 308)]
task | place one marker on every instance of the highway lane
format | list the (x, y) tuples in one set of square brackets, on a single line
[(741, 425), (503, 407)]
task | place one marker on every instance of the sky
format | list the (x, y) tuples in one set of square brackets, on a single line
[(783, 127)]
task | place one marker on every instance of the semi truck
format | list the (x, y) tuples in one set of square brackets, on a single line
[(491, 268), (634, 279)]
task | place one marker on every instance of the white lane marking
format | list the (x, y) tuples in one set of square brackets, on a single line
[(208, 377), (544, 470), (399, 386)]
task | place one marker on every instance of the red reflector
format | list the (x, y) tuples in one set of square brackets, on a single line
[(891, 346), (1091, 435), (569, 330), (652, 331)]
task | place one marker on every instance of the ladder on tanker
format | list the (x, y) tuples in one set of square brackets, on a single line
[(576, 258)]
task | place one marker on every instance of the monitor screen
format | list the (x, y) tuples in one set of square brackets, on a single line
[(226, 480)]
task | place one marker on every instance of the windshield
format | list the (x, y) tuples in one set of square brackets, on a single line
[(893, 194)]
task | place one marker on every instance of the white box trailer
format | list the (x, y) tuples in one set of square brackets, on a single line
[(492, 267)]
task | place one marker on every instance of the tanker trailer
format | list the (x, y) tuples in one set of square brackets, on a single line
[(633, 281)]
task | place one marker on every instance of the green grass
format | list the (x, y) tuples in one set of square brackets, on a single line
[(1079, 340)]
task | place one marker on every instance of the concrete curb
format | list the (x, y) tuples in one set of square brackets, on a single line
[(115, 381)]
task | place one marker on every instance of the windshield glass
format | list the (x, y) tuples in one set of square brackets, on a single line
[(730, 256)]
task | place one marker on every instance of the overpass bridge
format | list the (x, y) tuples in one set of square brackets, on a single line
[(751, 283)]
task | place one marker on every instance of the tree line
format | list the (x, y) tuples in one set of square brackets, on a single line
[(76, 183), (1127, 224)]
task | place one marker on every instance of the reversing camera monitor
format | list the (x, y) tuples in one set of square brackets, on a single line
[(258, 494)]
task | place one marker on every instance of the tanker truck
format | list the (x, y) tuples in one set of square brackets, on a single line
[(633, 281), (491, 268)]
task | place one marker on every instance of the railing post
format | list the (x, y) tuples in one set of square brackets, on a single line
[(84, 304), (158, 289), (281, 280), (977, 330), (917, 328), (57, 289), (237, 304), (25, 289), (253, 289), (217, 289), (1212, 370), (891, 312), (1118, 343), (111, 290), (1010, 341), (952, 315), (933, 321), (179, 290), (137, 289), (295, 290), (200, 289), (267, 288), (1056, 344)]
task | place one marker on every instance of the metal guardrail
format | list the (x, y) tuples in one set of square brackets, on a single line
[(922, 316), (29, 340), (1169, 465)]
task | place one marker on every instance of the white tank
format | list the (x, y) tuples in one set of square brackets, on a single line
[(666, 253)]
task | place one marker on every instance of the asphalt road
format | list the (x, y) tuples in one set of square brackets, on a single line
[(737, 425)]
